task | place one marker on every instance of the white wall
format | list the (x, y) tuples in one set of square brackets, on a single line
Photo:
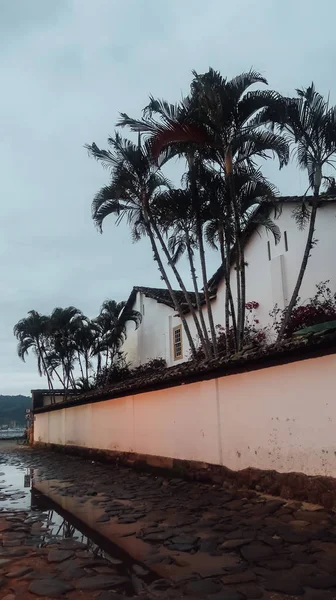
[(272, 282), (280, 418), (153, 338), (268, 282)]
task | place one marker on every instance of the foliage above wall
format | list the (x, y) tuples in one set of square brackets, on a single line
[(73, 350), (319, 309), (291, 350)]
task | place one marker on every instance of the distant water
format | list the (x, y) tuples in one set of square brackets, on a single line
[(11, 433)]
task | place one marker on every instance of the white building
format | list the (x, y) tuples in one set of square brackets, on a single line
[(271, 274)]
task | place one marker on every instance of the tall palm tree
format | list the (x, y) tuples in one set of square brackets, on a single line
[(173, 210), (310, 123), (256, 198), (219, 119), (32, 334), (134, 184)]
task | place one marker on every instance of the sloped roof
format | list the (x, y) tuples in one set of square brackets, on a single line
[(216, 278), (162, 296), (294, 199)]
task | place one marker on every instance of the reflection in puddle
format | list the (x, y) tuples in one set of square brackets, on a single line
[(107, 521), (60, 525), (53, 523), (15, 486)]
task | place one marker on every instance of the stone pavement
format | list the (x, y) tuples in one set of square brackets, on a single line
[(199, 541)]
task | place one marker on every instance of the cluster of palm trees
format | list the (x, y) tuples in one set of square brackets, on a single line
[(72, 350), (220, 131)]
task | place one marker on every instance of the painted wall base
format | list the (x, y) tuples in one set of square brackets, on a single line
[(292, 486)]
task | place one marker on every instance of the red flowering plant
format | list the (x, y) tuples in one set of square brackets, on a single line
[(253, 334), (321, 308)]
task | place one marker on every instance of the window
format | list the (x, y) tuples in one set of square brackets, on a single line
[(177, 342), (269, 250), (286, 241)]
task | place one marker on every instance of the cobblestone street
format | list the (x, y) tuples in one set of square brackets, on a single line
[(181, 538)]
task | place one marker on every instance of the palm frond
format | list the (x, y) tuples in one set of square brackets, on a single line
[(263, 219), (177, 246), (211, 233), (102, 207), (106, 158), (301, 215), (267, 101), (248, 144), (239, 84)]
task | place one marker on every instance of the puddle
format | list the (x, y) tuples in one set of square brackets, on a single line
[(69, 508), (87, 512), (113, 534), (61, 525), (53, 523), (15, 483)]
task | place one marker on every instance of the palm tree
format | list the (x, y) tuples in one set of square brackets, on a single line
[(135, 183), (62, 327), (111, 327), (85, 339), (310, 123), (32, 334), (173, 210), (218, 118), (255, 198)]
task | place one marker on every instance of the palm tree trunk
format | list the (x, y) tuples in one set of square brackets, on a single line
[(199, 232), (86, 366), (80, 364), (41, 353), (240, 267), (308, 247), (53, 370), (112, 357), (98, 364), (72, 379), (229, 304), (179, 279), (206, 341), (177, 305), (243, 295)]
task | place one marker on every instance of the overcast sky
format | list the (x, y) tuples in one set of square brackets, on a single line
[(67, 68)]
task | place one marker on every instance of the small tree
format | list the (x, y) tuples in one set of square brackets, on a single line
[(32, 334)]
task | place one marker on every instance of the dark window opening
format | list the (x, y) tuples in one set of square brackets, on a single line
[(286, 241), (269, 250)]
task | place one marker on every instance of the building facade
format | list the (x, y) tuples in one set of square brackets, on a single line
[(271, 273)]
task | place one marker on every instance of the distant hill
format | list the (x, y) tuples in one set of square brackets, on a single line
[(12, 408)]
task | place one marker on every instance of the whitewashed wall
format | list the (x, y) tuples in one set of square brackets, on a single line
[(153, 338), (271, 282), (281, 418)]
